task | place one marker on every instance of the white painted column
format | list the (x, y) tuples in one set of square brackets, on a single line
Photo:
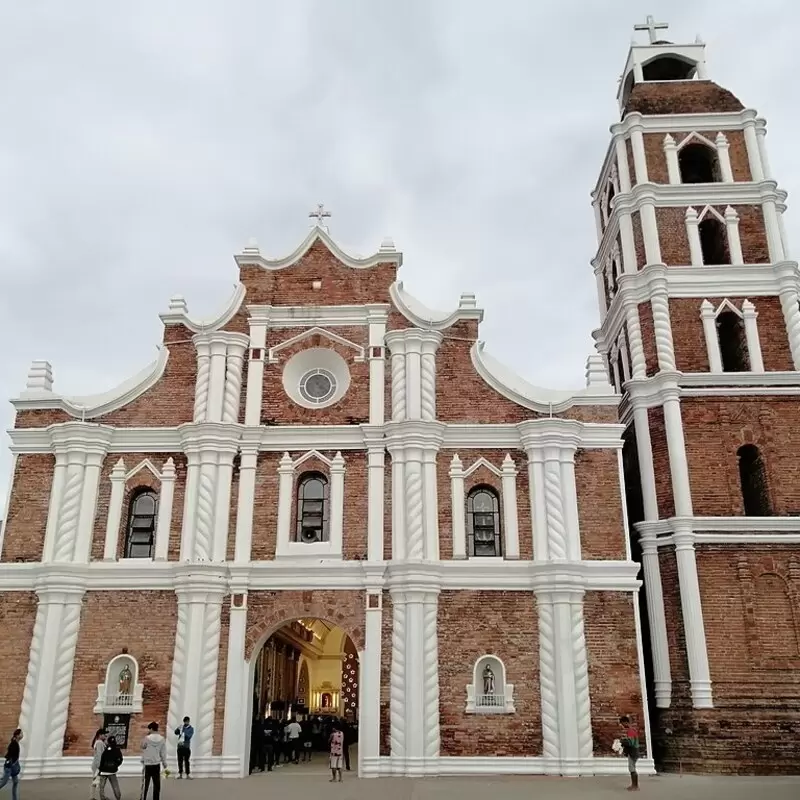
[(458, 511), (724, 156), (510, 515), (753, 155), (709, 318), (782, 229), (165, 500), (774, 242), (236, 684), (114, 519), (678, 466), (692, 612), (652, 247), (761, 135), (644, 452), (751, 335), (66, 531), (567, 459), (693, 235), (431, 500), (415, 505), (430, 341), (734, 240), (202, 382), (633, 325), (537, 503), (790, 305), (639, 156), (285, 483), (204, 523), (91, 483), (56, 493), (601, 292), (376, 477), (395, 341), (245, 503), (337, 502), (413, 375), (377, 331), (234, 365), (398, 502), (622, 165), (216, 387), (222, 504), (369, 704), (629, 264), (190, 505), (48, 685), (255, 373), (671, 155), (398, 723), (659, 302)]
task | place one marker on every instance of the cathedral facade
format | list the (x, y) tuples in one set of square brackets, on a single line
[(328, 454)]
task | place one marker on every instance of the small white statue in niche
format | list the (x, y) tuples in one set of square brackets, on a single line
[(488, 680), (125, 680)]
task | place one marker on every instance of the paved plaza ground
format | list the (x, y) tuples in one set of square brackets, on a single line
[(312, 782)]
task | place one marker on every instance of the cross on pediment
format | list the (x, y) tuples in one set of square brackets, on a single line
[(319, 216), (651, 26)]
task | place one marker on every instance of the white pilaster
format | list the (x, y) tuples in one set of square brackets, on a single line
[(246, 503), (724, 156), (376, 476), (56, 493), (114, 518), (398, 504), (629, 264), (431, 492), (91, 484), (659, 302), (285, 483), (395, 341), (671, 155), (761, 134), (622, 166), (222, 505), (189, 505), (458, 511), (369, 704), (337, 502), (510, 515), (216, 387), (413, 375), (634, 327), (652, 247), (601, 292), (202, 382), (255, 373), (377, 361), (644, 451), (430, 344), (234, 365), (709, 318), (734, 240), (165, 500), (236, 684), (790, 305), (678, 466), (751, 336), (639, 156), (753, 156), (693, 235), (774, 243)]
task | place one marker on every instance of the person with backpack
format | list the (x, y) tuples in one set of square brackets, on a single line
[(110, 762), (184, 734), (11, 764)]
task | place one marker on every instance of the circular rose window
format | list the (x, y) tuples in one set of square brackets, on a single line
[(317, 386)]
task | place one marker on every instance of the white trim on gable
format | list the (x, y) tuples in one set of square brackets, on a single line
[(334, 337), (482, 462), (726, 305), (416, 312), (694, 136), (709, 209), (145, 463), (178, 313), (311, 454)]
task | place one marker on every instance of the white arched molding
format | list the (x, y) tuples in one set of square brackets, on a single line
[(286, 546), (731, 222), (720, 146), (120, 694), (790, 306), (500, 697), (413, 359), (749, 317), (218, 387), (507, 474)]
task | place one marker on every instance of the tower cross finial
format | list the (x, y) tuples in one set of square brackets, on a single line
[(651, 26), (319, 215)]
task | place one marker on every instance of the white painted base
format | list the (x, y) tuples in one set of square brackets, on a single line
[(81, 767)]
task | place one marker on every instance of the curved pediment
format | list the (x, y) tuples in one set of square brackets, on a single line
[(420, 315), (178, 313)]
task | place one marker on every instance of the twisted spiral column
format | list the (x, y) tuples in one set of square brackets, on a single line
[(428, 386), (414, 511), (580, 667), (635, 341), (204, 521), (62, 680), (790, 305), (547, 680), (233, 387), (398, 387), (69, 514), (431, 656), (34, 668), (202, 384), (663, 332), (397, 723), (208, 678), (178, 667), (554, 509)]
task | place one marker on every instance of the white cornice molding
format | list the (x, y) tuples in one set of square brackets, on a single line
[(421, 316), (721, 530), (543, 401), (90, 406), (178, 314), (739, 379), (315, 331), (252, 257), (323, 316)]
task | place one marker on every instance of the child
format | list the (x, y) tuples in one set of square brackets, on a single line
[(337, 745), (630, 748)]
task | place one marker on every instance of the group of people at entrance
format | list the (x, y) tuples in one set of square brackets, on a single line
[(274, 743)]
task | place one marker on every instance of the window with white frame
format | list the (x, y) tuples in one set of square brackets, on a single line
[(484, 536), (732, 337)]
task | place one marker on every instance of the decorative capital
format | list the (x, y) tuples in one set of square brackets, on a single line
[(669, 142), (748, 309), (691, 214), (118, 472), (177, 305), (509, 468), (251, 248), (337, 463)]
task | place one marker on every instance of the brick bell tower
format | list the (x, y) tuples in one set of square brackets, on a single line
[(701, 332)]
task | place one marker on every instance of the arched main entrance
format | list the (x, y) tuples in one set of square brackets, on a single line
[(307, 670)]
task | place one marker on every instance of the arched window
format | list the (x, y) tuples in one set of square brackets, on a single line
[(483, 522), (140, 540), (753, 480), (668, 68), (609, 198), (713, 241), (312, 508), (732, 342), (698, 164)]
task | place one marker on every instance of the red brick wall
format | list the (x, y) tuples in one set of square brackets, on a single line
[(600, 505), (638, 239), (714, 431), (265, 507), (484, 476), (658, 441), (17, 615), (222, 678), (657, 162), (614, 686), (753, 234), (672, 236), (107, 628), (648, 339), (681, 97), (488, 630), (27, 508)]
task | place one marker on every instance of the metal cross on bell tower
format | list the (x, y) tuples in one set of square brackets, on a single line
[(319, 215), (652, 27)]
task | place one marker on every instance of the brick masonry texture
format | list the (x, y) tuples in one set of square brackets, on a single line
[(638, 239), (716, 429), (18, 615), (484, 476), (28, 503), (648, 338), (265, 507), (219, 705), (691, 353), (658, 441), (657, 159), (614, 686), (672, 236), (386, 671), (504, 624), (600, 505), (682, 97), (105, 630)]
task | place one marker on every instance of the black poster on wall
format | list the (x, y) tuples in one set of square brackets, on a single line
[(118, 725)]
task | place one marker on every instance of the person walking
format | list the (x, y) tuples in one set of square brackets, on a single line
[(293, 731), (268, 738), (11, 765), (630, 748), (184, 734), (154, 759), (110, 762), (347, 731), (98, 746), (336, 744)]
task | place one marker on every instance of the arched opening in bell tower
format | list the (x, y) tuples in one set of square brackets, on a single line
[(713, 241), (732, 342), (753, 481), (668, 68), (698, 163)]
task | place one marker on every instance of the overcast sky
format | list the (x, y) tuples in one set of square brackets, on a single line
[(143, 143)]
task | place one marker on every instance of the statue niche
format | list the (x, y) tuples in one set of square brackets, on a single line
[(489, 693)]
